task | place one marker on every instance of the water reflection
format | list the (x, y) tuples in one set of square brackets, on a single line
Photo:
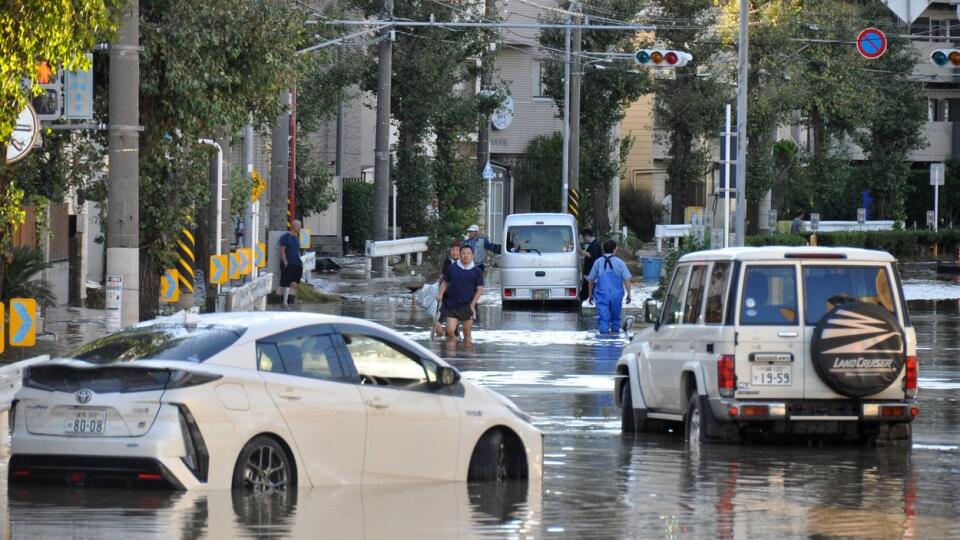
[(390, 511)]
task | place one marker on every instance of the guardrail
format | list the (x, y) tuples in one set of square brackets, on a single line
[(251, 296), (671, 231), (837, 226), (392, 248)]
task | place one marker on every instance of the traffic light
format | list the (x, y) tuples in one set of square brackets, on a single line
[(662, 58), (49, 104), (946, 58)]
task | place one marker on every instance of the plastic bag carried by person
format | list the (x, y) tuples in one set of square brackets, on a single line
[(427, 296)]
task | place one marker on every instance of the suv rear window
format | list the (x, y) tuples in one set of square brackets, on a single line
[(769, 296), (826, 287), (540, 238), (159, 342)]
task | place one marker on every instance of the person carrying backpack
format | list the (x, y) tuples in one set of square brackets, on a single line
[(609, 279)]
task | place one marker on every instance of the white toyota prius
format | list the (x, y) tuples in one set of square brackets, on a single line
[(262, 401)]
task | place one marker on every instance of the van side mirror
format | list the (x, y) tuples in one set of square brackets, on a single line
[(627, 325), (651, 311)]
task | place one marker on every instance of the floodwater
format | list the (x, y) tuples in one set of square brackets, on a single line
[(597, 482)]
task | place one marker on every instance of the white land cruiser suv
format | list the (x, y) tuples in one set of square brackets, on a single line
[(775, 341)]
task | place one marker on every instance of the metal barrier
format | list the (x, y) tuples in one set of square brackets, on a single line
[(250, 296), (393, 248), (671, 231), (837, 226)]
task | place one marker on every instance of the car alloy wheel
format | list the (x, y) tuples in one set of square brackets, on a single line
[(266, 468)]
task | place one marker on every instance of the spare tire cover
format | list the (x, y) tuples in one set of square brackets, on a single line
[(858, 349)]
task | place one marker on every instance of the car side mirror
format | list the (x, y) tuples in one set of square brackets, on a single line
[(651, 311), (447, 376)]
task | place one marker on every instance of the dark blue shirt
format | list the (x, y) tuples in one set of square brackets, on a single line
[(291, 244), (461, 285)]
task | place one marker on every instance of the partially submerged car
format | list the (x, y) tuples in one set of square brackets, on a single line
[(778, 341), (261, 401)]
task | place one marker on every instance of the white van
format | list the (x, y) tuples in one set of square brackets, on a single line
[(539, 260)]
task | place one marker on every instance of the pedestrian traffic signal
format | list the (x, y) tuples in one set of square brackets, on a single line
[(946, 57), (662, 58), (50, 103)]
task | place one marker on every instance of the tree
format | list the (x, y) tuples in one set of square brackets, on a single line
[(428, 65), (208, 67), (542, 172), (689, 104), (59, 32), (604, 96)]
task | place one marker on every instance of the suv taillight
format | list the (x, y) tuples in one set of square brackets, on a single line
[(910, 377), (727, 375)]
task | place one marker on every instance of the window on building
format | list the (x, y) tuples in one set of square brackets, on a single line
[(935, 113), (538, 73), (952, 113)]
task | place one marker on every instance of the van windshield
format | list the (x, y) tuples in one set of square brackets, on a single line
[(826, 287), (540, 238)]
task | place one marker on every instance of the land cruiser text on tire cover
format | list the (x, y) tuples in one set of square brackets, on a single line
[(858, 349)]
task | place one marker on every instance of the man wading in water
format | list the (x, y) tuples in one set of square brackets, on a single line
[(460, 291)]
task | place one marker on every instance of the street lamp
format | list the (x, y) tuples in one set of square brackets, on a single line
[(211, 142)]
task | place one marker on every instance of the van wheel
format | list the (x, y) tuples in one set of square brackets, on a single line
[(635, 420)]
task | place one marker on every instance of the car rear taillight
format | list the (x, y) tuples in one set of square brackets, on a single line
[(571, 291), (726, 375), (508, 292), (910, 376)]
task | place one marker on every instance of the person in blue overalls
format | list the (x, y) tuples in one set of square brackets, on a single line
[(609, 278)]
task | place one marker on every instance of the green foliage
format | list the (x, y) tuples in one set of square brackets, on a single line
[(314, 192), (428, 65), (604, 96), (640, 212), (687, 245), (358, 213), (241, 186), (542, 172), (20, 276), (903, 244)]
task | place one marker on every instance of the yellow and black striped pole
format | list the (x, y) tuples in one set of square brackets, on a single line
[(186, 247), (573, 203)]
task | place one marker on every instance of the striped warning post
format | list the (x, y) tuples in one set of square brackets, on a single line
[(186, 248), (573, 203)]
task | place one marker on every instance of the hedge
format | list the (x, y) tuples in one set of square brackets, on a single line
[(902, 244), (358, 213)]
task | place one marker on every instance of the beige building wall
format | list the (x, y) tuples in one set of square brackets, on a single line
[(641, 170)]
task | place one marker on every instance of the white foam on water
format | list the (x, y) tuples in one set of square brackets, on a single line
[(939, 384), (939, 447), (596, 383), (499, 378)]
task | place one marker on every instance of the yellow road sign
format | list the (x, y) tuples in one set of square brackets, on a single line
[(219, 269), (261, 255), (246, 261), (235, 265), (170, 286), (305, 238), (23, 322), (3, 339)]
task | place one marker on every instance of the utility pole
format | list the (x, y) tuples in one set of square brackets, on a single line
[(486, 79), (278, 171), (742, 67), (381, 171), (292, 172), (123, 182), (249, 227), (576, 75), (565, 167)]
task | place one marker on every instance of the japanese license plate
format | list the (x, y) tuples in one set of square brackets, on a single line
[(85, 422), (771, 375), (541, 294)]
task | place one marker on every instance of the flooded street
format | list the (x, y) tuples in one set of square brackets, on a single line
[(597, 482)]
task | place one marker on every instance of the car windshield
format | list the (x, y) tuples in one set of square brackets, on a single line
[(159, 342), (826, 287)]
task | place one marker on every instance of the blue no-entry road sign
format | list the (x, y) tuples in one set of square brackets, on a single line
[(871, 43)]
